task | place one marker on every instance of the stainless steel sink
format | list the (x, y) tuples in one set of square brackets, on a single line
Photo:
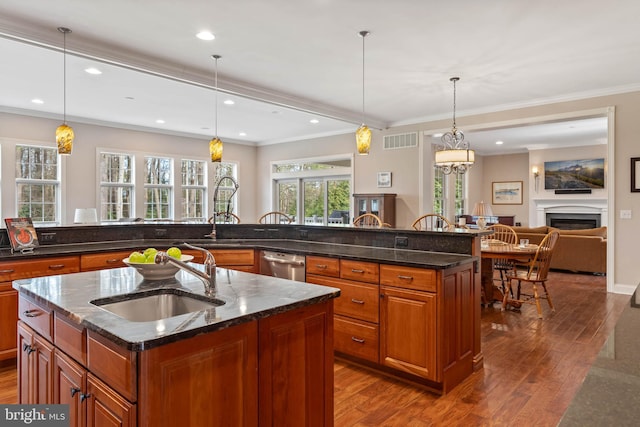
[(157, 304)]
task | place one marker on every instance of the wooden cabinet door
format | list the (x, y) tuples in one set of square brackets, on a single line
[(8, 320), (35, 366), (105, 407), (70, 387), (408, 331)]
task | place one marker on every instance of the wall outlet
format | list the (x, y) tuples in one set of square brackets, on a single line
[(402, 242), (48, 237), (160, 232), (625, 214), (304, 234)]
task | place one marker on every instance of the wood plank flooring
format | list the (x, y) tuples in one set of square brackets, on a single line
[(532, 368)]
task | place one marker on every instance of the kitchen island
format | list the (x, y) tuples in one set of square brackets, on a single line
[(264, 356)]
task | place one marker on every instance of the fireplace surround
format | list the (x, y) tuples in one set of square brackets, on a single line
[(569, 206)]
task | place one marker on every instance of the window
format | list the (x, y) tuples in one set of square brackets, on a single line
[(226, 188), (461, 194), (38, 183), (449, 193), (194, 189), (439, 191), (116, 186), (314, 191), (158, 186)]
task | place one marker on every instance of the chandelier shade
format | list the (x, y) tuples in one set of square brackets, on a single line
[(64, 132), (363, 134), (215, 145), (454, 154)]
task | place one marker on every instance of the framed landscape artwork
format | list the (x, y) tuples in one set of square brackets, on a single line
[(506, 193)]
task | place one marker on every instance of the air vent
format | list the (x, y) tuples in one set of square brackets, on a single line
[(402, 140)]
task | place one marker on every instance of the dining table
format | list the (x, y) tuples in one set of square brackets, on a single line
[(491, 250)]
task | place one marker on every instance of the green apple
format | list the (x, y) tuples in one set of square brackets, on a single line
[(137, 257), (150, 255), (174, 252)]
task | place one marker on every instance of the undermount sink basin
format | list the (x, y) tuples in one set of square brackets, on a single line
[(157, 304)]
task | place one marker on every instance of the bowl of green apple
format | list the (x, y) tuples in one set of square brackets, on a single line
[(144, 263)]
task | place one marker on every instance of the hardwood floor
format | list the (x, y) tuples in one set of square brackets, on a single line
[(532, 368)]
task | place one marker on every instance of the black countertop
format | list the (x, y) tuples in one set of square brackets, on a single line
[(416, 258), (610, 393), (246, 297)]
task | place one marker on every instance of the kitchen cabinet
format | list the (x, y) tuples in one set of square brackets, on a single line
[(8, 319), (35, 366), (383, 205), (236, 259), (102, 260)]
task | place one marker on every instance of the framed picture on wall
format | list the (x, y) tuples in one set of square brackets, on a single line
[(635, 174), (384, 179), (506, 193)]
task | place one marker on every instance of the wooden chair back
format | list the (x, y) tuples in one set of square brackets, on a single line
[(224, 218), (368, 220), (275, 217), (504, 233), (432, 222), (539, 266)]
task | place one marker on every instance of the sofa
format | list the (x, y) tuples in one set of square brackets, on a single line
[(576, 250)]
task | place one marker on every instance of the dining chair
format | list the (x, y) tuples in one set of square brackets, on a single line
[(432, 222), (224, 218), (368, 220), (275, 217), (508, 235), (536, 275)]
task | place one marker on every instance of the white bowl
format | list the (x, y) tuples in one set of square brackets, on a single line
[(157, 271)]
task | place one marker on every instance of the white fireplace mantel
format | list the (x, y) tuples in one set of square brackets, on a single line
[(568, 205)]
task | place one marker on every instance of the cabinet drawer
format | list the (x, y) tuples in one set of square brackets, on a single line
[(233, 256), (104, 260), (36, 316), (408, 277), (114, 365), (14, 270), (70, 338), (356, 338), (357, 300), (360, 271), (323, 266)]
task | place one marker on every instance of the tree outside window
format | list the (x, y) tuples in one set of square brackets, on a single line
[(158, 187), (37, 183), (116, 186)]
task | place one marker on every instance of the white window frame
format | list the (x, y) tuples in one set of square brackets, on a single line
[(197, 187), (57, 183), (159, 186), (106, 184)]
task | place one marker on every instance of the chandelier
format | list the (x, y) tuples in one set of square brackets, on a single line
[(454, 154), (215, 145)]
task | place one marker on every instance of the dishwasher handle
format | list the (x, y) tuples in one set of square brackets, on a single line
[(283, 261)]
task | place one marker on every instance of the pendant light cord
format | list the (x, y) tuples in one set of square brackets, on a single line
[(363, 34), (216, 97)]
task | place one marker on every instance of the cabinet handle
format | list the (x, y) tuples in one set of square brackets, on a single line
[(56, 266), (112, 261), (353, 270), (321, 266), (74, 390), (400, 276), (84, 396), (357, 301), (7, 271), (25, 347), (32, 313), (358, 340), (30, 350)]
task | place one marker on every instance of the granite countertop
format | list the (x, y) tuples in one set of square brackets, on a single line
[(246, 297), (422, 259), (610, 393)]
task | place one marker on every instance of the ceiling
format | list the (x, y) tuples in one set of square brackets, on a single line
[(284, 63)]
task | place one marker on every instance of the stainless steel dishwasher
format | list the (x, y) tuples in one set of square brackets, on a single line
[(283, 265)]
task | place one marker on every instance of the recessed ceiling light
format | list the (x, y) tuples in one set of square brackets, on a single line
[(499, 142), (242, 134), (37, 101), (314, 121), (160, 121), (93, 70), (205, 35), (229, 101), (129, 98)]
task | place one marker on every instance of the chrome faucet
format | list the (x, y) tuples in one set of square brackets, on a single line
[(208, 277), (215, 202)]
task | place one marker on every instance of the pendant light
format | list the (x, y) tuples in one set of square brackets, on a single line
[(363, 134), (215, 145), (454, 154), (64, 132)]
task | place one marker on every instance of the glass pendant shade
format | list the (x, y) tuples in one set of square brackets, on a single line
[(64, 138), (363, 139), (215, 149)]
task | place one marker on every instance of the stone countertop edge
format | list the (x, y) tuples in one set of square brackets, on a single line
[(407, 257), (247, 297)]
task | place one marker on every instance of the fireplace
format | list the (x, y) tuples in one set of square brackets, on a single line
[(573, 221)]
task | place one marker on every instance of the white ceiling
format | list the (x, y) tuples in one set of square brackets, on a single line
[(307, 54)]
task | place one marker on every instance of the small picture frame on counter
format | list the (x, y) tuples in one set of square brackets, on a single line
[(22, 234)]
